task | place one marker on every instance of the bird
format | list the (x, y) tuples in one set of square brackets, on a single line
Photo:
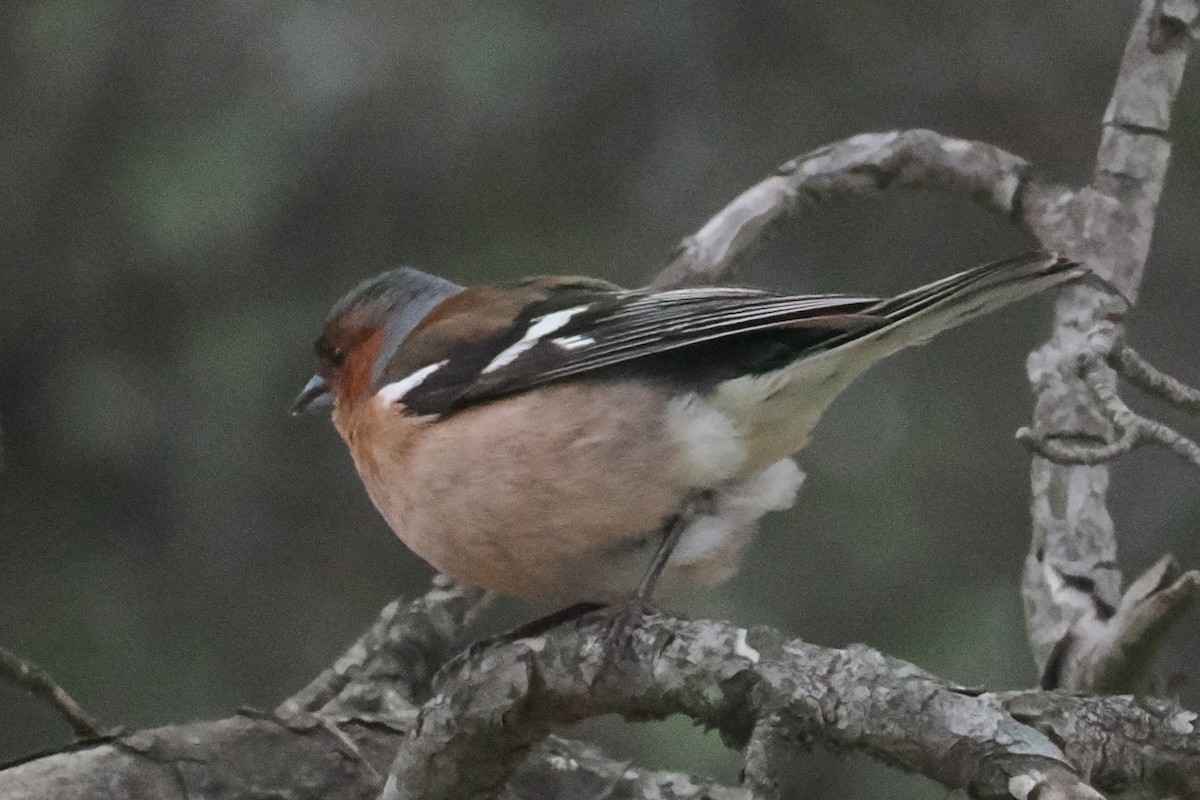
[(565, 439)]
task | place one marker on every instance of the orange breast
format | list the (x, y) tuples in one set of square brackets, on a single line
[(530, 495)]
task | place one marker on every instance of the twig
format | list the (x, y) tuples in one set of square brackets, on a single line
[(1137, 370), (1160, 434), (1140, 431), (1132, 429), (38, 682), (1066, 453)]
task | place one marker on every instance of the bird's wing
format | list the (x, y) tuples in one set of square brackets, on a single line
[(569, 330), (557, 328)]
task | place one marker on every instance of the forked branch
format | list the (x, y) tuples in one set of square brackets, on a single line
[(772, 698)]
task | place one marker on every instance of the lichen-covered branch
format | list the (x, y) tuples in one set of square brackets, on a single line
[(334, 739), (869, 162), (1130, 429), (1072, 582), (774, 698), (388, 670), (1106, 225), (342, 728), (252, 756), (770, 696), (1156, 739), (1140, 372)]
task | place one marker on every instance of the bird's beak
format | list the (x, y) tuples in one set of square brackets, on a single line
[(315, 396)]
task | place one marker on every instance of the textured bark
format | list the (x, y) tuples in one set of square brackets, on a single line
[(869, 162), (489, 723), (1083, 634), (247, 756), (772, 698), (252, 756), (334, 739)]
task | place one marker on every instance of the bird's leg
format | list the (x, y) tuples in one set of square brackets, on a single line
[(623, 617), (673, 530), (619, 618)]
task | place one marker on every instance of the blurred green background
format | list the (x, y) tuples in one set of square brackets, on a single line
[(187, 187)]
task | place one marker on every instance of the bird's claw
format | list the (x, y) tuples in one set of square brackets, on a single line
[(618, 625)]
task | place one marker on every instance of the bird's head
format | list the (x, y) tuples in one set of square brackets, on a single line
[(362, 332)]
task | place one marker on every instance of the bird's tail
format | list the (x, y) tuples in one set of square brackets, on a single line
[(918, 315), (780, 409)]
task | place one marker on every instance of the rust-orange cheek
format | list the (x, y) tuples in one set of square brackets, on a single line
[(355, 376)]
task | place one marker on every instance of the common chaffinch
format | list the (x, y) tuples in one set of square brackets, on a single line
[(564, 438)]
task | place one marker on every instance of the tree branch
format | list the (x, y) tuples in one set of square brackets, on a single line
[(869, 162), (334, 739), (387, 672), (1072, 583), (37, 681), (1140, 372), (1108, 226), (774, 698), (1131, 429)]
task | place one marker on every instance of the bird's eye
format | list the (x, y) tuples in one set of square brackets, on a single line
[(330, 355)]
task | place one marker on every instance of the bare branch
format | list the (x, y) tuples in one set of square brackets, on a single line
[(763, 693), (1151, 604), (1130, 365), (1141, 431), (1166, 436), (36, 681), (575, 771), (1132, 429), (772, 697), (1078, 722), (252, 756), (334, 739), (387, 672), (1123, 418), (771, 747), (1067, 453), (1107, 225), (1072, 584), (869, 162)]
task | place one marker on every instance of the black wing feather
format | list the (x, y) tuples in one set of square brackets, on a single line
[(702, 334), (617, 326)]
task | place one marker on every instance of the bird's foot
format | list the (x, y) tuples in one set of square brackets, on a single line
[(618, 624), (528, 630)]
